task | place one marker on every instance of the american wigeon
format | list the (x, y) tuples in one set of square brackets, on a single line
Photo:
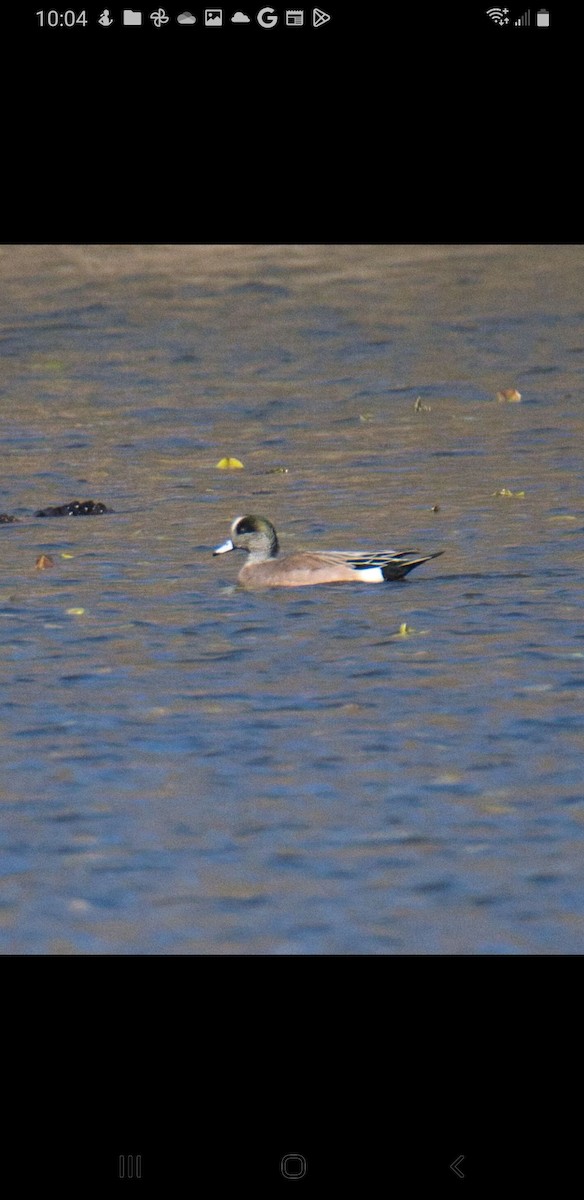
[(266, 568)]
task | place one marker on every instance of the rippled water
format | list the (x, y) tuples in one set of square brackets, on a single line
[(189, 768)]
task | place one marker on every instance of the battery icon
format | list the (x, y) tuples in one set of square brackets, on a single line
[(543, 17)]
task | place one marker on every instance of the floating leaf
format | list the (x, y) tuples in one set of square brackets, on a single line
[(567, 517), (75, 612), (277, 471), (43, 562), (406, 631), (229, 464), (65, 555), (507, 492), (510, 395), (420, 407)]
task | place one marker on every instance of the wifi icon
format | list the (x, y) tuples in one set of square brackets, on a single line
[(499, 15)]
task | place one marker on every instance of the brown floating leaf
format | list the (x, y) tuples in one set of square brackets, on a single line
[(43, 562), (511, 395)]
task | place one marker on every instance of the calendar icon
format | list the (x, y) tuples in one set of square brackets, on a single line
[(294, 16)]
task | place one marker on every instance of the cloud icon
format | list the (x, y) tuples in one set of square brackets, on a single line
[(186, 18), (240, 18)]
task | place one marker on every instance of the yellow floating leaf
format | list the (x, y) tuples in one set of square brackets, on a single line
[(75, 612), (563, 518), (507, 492), (64, 555), (50, 364), (229, 464)]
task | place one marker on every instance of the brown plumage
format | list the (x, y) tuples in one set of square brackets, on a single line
[(265, 567)]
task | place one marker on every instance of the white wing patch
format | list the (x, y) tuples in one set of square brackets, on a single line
[(370, 574)]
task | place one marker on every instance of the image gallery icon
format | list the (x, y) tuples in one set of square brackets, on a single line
[(213, 16)]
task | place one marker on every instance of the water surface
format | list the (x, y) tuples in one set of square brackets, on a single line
[(189, 768)]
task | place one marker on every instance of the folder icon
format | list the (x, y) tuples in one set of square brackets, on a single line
[(131, 17)]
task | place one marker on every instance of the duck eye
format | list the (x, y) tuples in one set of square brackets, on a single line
[(244, 526)]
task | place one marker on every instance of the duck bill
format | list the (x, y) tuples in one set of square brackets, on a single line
[(228, 545)]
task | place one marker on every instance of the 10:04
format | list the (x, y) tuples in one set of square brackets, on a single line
[(56, 20)]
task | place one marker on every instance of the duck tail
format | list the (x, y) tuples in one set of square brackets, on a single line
[(398, 570)]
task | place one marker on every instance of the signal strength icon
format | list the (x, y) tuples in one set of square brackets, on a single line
[(525, 19), (499, 15)]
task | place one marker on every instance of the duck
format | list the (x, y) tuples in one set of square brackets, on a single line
[(266, 567)]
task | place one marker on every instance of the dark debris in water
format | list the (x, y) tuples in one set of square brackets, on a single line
[(75, 508)]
